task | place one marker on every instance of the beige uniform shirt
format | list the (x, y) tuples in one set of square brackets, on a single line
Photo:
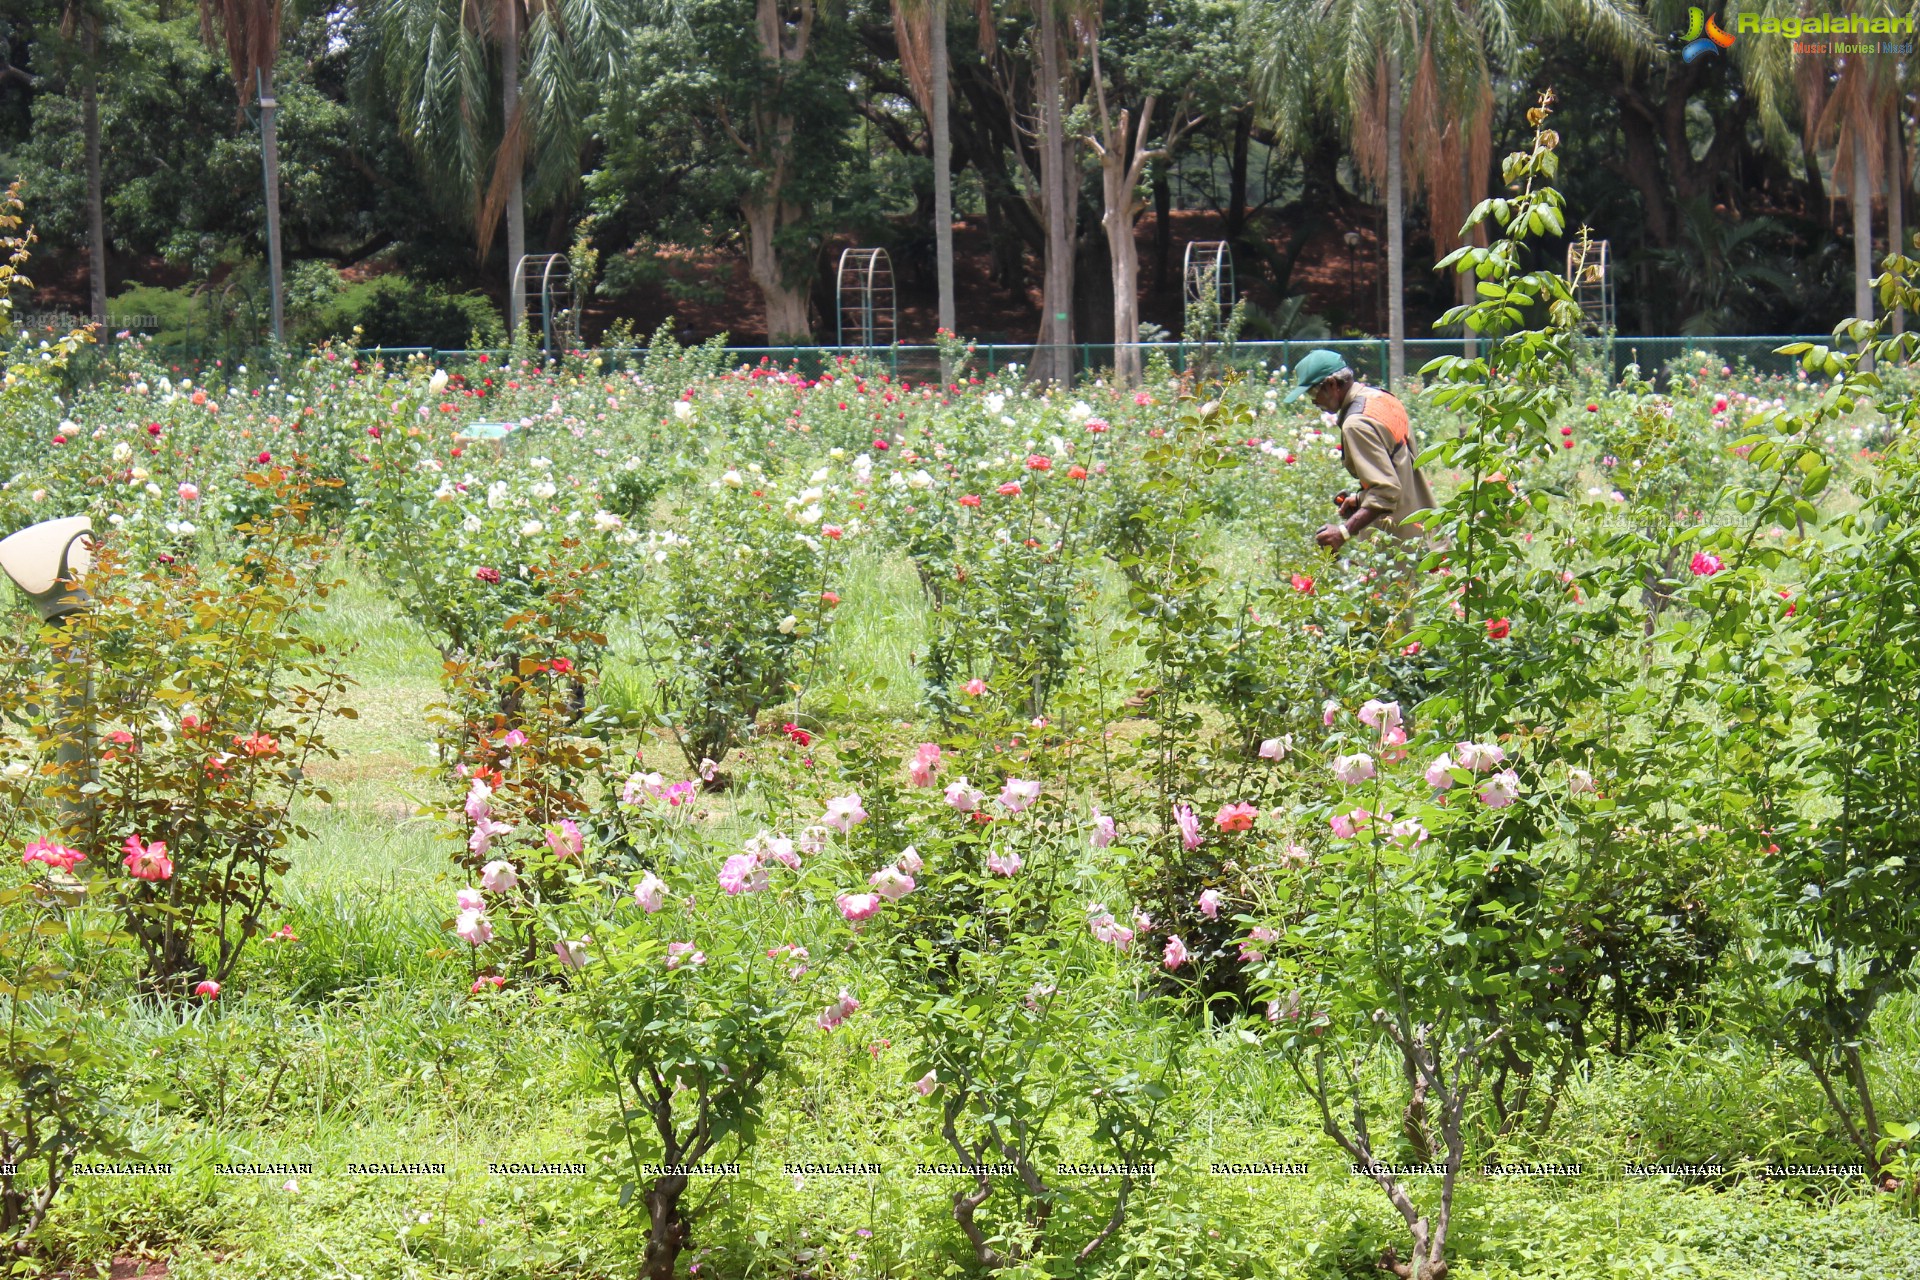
[(1384, 467)]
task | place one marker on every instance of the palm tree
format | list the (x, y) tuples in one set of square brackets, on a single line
[(1846, 104), (492, 96), (250, 29), (1378, 62)]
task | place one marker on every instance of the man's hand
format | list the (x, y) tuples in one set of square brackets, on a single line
[(1349, 505), (1333, 537)]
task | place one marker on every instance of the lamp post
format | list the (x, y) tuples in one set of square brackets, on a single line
[(46, 562)]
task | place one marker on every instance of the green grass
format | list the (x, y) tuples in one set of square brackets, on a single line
[(357, 1043)]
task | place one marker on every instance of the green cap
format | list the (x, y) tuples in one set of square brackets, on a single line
[(1314, 368)]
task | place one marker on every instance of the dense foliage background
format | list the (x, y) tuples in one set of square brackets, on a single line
[(708, 160)]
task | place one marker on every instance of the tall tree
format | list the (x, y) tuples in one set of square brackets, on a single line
[(1166, 50), (80, 29), (921, 30), (493, 98), (1370, 56), (250, 30), (1044, 95)]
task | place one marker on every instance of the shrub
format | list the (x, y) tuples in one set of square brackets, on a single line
[(204, 702)]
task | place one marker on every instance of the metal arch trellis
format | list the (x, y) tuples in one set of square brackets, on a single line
[(1208, 274), (1590, 275), (548, 277), (866, 310)]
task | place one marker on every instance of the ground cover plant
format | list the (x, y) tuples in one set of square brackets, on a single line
[(799, 823)]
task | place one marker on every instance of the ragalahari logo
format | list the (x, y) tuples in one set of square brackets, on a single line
[(1703, 37)]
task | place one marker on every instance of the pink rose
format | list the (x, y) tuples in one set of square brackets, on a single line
[(891, 883), (858, 906), (1183, 817), (1176, 953), (650, 893), (565, 839), (1209, 904), (1104, 829), (147, 861)]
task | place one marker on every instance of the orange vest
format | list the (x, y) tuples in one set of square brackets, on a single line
[(1384, 409)]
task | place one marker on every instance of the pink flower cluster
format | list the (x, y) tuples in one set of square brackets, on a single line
[(838, 1012), (925, 763), (1106, 928), (57, 856), (147, 861)]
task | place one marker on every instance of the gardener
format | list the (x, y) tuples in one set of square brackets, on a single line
[(1376, 445)]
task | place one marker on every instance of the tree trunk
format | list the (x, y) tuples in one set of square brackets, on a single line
[(787, 313), (1862, 228), (516, 187), (1118, 221), (1237, 175), (783, 47), (942, 172), (1897, 200), (96, 205), (1396, 233), (1053, 350), (270, 173), (1162, 225), (1120, 166), (667, 1230)]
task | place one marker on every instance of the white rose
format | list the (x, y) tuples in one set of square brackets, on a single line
[(730, 478), (438, 382), (544, 490), (606, 521), (821, 476), (531, 528), (122, 451), (787, 624), (920, 480), (682, 410)]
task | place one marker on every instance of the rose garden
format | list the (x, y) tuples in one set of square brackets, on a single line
[(801, 822)]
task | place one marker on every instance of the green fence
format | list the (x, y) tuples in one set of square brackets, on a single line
[(1597, 356)]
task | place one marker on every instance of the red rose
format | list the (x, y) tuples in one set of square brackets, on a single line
[(1497, 628)]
